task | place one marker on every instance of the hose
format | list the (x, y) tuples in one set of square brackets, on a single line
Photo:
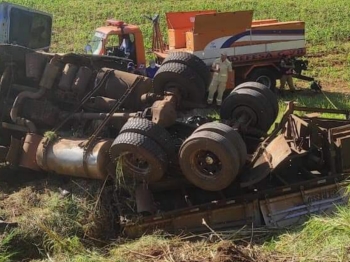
[(17, 105)]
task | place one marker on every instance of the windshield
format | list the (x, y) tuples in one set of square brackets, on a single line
[(96, 42), (30, 29)]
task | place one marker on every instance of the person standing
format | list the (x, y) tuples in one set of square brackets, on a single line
[(152, 69), (286, 67), (221, 67)]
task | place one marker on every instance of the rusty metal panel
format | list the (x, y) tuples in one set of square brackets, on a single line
[(278, 150), (286, 210), (275, 153), (232, 215), (343, 156)]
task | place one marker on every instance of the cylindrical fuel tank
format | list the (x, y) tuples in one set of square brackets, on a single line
[(81, 80), (68, 75), (66, 156), (30, 145), (119, 81)]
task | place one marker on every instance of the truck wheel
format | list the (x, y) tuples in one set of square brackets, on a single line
[(249, 106), (141, 157), (232, 135), (264, 76), (3, 154), (156, 132), (208, 161), (182, 77), (264, 90), (5, 81), (193, 61)]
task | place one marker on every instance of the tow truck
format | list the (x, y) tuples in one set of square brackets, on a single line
[(255, 47)]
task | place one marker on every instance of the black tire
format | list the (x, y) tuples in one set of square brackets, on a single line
[(3, 154), (128, 145), (193, 61), (263, 100), (156, 132), (231, 134), (262, 74), (270, 96), (251, 102), (180, 76), (218, 147)]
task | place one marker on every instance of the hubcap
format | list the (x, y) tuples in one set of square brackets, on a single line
[(207, 164), (136, 164), (265, 80)]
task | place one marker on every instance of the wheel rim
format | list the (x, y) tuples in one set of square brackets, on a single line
[(265, 80), (244, 115), (207, 164), (136, 164)]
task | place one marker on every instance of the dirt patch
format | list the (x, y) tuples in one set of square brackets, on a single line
[(228, 252)]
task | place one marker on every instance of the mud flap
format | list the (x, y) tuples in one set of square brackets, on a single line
[(295, 208)]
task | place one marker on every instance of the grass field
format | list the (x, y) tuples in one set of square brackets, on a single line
[(54, 228)]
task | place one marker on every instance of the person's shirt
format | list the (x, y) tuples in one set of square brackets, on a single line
[(225, 67), (285, 67), (151, 71)]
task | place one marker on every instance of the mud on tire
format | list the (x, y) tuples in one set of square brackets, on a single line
[(209, 161), (193, 61), (141, 157), (182, 77)]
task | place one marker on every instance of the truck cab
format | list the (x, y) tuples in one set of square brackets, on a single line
[(24, 26), (117, 38)]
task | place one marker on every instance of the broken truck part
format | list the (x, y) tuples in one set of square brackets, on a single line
[(69, 114)]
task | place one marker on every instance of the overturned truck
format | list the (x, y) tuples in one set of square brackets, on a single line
[(80, 115)]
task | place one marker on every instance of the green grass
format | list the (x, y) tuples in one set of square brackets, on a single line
[(68, 229), (320, 239)]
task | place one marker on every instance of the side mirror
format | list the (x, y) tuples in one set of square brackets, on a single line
[(88, 49)]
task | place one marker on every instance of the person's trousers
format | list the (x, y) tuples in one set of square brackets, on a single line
[(289, 80), (216, 86)]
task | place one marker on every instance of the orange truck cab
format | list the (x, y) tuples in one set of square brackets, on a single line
[(254, 47), (117, 38)]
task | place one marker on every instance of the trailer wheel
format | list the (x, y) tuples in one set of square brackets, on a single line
[(141, 157), (182, 77), (249, 106), (232, 135), (264, 90), (264, 76), (193, 61), (156, 132), (208, 161)]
